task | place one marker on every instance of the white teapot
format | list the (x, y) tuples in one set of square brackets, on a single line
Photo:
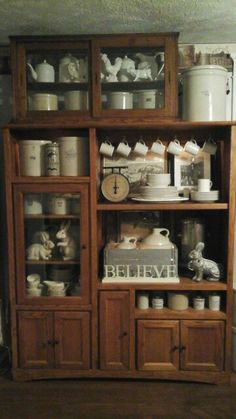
[(156, 240), (43, 72), (127, 243)]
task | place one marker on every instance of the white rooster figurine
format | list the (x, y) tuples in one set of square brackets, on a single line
[(111, 70)]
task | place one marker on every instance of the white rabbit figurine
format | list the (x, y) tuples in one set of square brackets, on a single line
[(201, 266), (66, 244), (38, 251)]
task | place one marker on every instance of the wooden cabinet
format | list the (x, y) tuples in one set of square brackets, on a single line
[(187, 345), (95, 324), (54, 340), (91, 76), (114, 312)]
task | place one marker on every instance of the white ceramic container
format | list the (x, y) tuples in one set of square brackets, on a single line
[(120, 100), (204, 93), (177, 301), (32, 204), (74, 156), (44, 102), (32, 157), (76, 100), (146, 99)]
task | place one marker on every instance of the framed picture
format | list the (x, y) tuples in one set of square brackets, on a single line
[(188, 169), (135, 168)]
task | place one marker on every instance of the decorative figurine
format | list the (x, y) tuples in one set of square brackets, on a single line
[(39, 251), (201, 266), (111, 70), (66, 244)]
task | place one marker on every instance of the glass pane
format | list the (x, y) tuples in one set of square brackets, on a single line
[(133, 78), (57, 80), (52, 243)]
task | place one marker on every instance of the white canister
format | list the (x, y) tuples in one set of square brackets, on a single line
[(199, 303), (74, 156), (214, 302), (32, 157), (44, 102), (32, 204), (76, 99), (157, 302), (58, 205), (146, 99), (204, 93), (177, 301), (121, 100), (143, 300)]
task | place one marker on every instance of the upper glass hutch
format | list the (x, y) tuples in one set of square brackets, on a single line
[(94, 76)]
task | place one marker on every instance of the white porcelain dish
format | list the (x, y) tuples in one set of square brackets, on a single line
[(177, 199)]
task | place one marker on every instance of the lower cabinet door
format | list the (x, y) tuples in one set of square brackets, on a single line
[(158, 345), (72, 340), (35, 339), (202, 345), (54, 339), (114, 324)]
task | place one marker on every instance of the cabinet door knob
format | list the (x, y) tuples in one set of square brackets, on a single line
[(56, 342), (50, 342), (182, 348), (83, 247), (174, 348)]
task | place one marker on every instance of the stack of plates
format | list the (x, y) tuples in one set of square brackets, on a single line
[(204, 196), (150, 192)]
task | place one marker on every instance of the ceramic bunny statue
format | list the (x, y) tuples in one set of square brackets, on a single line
[(66, 244), (203, 267), (39, 251)]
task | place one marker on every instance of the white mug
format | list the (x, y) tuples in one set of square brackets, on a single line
[(209, 147), (192, 147), (158, 179), (204, 185), (107, 149), (140, 148), (123, 149), (157, 147), (174, 147)]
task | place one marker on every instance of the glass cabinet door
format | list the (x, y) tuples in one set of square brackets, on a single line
[(56, 78), (136, 74), (52, 251)]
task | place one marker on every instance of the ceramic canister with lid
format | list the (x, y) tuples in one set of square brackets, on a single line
[(121, 100), (146, 99), (52, 159), (143, 300), (74, 156), (32, 157)]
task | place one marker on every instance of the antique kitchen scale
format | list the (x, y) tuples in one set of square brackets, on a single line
[(115, 186)]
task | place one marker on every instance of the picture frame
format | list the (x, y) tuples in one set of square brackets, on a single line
[(135, 168), (187, 169)]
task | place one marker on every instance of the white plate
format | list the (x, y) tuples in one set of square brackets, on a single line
[(177, 199)]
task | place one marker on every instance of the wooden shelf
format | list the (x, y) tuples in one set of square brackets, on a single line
[(186, 284), (130, 206), (190, 313), (56, 87)]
